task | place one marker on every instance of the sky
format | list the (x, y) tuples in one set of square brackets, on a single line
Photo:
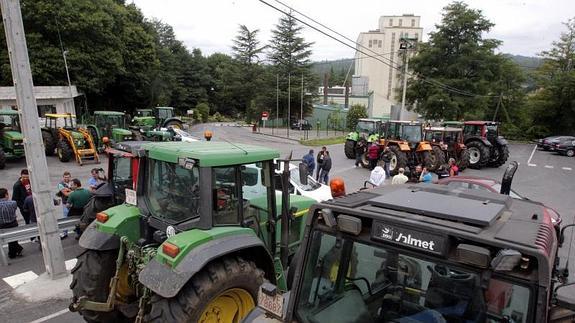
[(526, 27)]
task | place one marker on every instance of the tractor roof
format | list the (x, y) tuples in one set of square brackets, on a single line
[(405, 122), (481, 217), (8, 112), (165, 108), (109, 113), (210, 153), (369, 120), (62, 115), (144, 110), (480, 123), (445, 129)]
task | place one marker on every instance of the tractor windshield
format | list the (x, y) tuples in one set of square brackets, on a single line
[(9, 122), (411, 133), (349, 280), (492, 130), (164, 114), (366, 127), (110, 121), (173, 192)]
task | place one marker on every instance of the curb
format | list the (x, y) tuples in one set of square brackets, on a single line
[(270, 135)]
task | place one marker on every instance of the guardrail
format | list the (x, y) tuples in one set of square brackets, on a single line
[(30, 231)]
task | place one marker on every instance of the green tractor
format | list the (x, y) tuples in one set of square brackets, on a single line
[(109, 127), (368, 129), (11, 140), (158, 117), (190, 245)]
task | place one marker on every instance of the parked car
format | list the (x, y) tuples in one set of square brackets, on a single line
[(492, 185), (565, 147), (548, 143), (300, 125)]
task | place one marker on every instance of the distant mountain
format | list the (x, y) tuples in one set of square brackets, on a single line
[(338, 69), (528, 63)]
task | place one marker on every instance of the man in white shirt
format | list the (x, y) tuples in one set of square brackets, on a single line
[(400, 178), (377, 176)]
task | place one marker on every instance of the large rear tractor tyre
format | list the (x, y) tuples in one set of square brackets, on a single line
[(349, 148), (437, 158), (91, 278), (501, 156), (174, 124), (49, 143), (65, 152), (463, 160), (478, 154), (2, 159), (95, 137), (398, 160), (224, 291), (426, 159)]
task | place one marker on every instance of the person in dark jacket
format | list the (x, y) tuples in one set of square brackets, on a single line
[(20, 190), (8, 220), (309, 162), (359, 151), (325, 168), (319, 161), (373, 154), (386, 158)]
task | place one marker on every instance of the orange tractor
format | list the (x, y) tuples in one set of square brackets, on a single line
[(60, 133)]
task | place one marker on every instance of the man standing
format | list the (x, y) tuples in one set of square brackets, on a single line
[(21, 189), (359, 151), (386, 158), (8, 220), (400, 178), (78, 198), (64, 190), (319, 160), (309, 162), (373, 154), (325, 168)]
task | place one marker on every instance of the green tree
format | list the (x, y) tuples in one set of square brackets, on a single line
[(246, 46), (290, 55), (459, 57), (552, 107), (202, 111), (356, 112)]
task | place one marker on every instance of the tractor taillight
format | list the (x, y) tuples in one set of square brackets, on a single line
[(170, 249), (102, 217), (337, 187)]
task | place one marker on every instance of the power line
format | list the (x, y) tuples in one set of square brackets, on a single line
[(424, 79)]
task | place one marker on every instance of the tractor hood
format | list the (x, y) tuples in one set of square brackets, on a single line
[(121, 132), (77, 135), (13, 135)]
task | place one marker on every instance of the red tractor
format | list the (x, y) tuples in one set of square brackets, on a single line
[(449, 141)]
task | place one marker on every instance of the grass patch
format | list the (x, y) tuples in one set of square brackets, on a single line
[(323, 141)]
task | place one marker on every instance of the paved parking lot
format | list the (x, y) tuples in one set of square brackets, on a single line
[(542, 176)]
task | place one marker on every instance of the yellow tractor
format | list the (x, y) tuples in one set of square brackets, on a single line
[(61, 133)]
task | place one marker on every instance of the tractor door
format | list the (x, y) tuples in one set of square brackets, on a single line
[(122, 172)]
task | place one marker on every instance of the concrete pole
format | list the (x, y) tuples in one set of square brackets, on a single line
[(289, 105), (301, 106), (404, 86), (33, 145)]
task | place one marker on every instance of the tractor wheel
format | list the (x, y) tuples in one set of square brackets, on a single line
[(365, 160), (224, 291), (502, 154), (426, 159), (94, 135), (568, 153), (437, 158), (174, 124), (478, 154), (65, 152), (91, 278), (463, 160), (49, 142), (2, 159), (349, 148), (398, 160)]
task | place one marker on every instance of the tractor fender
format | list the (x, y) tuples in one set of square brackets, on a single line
[(483, 140), (166, 281), (403, 146), (171, 119), (501, 141), (424, 146), (96, 240)]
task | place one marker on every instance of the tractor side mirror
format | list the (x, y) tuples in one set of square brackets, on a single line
[(508, 178), (303, 173)]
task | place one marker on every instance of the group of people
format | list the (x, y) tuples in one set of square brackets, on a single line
[(73, 199), (323, 161)]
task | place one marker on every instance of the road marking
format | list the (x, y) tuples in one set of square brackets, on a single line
[(51, 316), (71, 263), (566, 168), (20, 279), (532, 165), (548, 166), (533, 152)]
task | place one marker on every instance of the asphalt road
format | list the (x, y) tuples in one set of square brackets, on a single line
[(542, 176)]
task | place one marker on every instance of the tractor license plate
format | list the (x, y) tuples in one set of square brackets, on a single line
[(272, 304)]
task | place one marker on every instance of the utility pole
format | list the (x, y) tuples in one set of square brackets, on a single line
[(301, 107), (404, 86), (33, 145), (289, 104), (277, 101)]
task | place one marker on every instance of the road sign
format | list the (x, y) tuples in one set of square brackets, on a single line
[(265, 115)]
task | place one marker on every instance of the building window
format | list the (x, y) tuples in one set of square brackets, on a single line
[(379, 43), (412, 22), (390, 22), (370, 43), (417, 36), (400, 22)]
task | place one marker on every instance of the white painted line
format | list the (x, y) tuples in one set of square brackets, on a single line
[(533, 152), (548, 166), (532, 165), (51, 316), (19, 279), (566, 168), (71, 263)]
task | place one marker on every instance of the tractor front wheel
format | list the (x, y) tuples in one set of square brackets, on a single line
[(500, 157), (91, 278), (349, 148), (463, 160), (437, 158), (49, 142), (65, 152), (224, 291), (398, 160), (174, 124), (2, 159)]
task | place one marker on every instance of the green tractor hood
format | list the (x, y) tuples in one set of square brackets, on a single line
[(13, 135), (120, 132)]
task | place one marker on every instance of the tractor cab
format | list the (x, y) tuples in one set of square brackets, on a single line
[(393, 254), (109, 127), (9, 120), (407, 147), (409, 131), (149, 123), (11, 139), (369, 128), (484, 129)]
